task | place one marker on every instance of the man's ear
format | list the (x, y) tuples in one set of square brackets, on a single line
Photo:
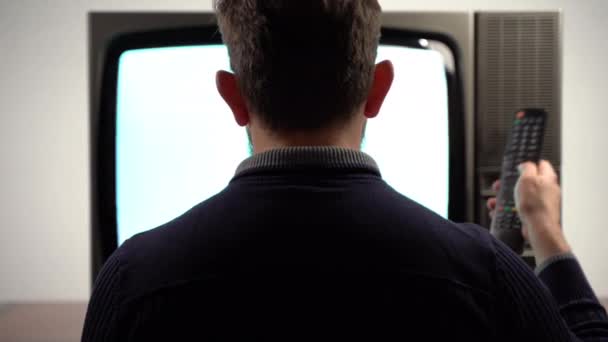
[(383, 79), (228, 88)]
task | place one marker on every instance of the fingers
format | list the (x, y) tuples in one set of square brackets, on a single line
[(546, 170), (496, 186), (491, 203)]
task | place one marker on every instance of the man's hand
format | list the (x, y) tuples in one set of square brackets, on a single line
[(538, 202)]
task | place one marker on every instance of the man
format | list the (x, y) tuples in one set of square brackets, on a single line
[(308, 243)]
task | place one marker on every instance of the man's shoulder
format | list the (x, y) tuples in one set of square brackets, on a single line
[(166, 255), (464, 252), (434, 225)]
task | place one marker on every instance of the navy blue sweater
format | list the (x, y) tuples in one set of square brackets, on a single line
[(312, 244)]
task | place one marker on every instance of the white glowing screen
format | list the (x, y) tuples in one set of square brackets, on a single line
[(177, 143)]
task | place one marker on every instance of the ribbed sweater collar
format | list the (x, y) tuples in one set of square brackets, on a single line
[(308, 157)]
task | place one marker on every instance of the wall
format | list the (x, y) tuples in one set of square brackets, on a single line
[(44, 185)]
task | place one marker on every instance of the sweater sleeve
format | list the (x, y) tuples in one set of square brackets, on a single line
[(577, 303), (101, 321), (529, 310)]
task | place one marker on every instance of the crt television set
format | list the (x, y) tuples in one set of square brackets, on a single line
[(164, 141)]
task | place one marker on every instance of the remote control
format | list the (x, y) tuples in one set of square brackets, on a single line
[(525, 144)]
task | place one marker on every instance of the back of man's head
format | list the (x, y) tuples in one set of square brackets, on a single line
[(301, 65)]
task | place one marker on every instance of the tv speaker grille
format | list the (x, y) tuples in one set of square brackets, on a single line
[(518, 66)]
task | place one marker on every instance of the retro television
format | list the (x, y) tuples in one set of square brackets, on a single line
[(162, 140)]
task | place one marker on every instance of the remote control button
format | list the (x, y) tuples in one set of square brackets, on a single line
[(516, 224)]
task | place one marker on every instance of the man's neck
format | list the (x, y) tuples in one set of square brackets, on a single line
[(347, 137)]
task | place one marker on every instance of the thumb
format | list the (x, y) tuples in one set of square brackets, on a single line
[(527, 169), (546, 170)]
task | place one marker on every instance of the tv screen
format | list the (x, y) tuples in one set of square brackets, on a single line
[(177, 143)]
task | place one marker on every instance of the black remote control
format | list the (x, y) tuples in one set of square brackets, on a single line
[(525, 144)]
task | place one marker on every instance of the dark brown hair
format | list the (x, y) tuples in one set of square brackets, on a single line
[(302, 65)]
